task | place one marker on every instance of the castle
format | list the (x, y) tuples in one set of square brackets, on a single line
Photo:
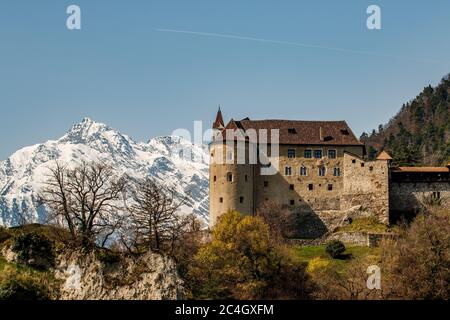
[(322, 175)]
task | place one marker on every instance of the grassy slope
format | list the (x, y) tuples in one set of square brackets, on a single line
[(369, 224), (308, 253), (17, 275)]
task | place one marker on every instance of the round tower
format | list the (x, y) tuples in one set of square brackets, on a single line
[(231, 179)]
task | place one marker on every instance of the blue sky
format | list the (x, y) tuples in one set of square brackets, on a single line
[(120, 70)]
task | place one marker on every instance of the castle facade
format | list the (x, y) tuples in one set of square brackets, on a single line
[(322, 174)]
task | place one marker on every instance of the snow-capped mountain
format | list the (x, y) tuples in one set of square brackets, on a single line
[(171, 161)]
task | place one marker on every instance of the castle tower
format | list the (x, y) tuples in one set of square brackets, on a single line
[(231, 183)]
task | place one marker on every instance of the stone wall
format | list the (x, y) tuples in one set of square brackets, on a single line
[(353, 238), (408, 198), (326, 190), (366, 183)]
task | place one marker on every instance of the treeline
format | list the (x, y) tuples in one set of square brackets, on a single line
[(420, 133)]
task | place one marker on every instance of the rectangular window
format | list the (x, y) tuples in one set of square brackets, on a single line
[(288, 171), (332, 154), (303, 171), (308, 153), (318, 154), (266, 184), (229, 177), (436, 195), (337, 172), (215, 178), (246, 178), (310, 186), (292, 202), (292, 131), (291, 187), (330, 187), (362, 164), (291, 153), (241, 199), (221, 200), (322, 171)]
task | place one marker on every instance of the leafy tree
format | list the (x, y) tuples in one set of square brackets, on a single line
[(241, 262), (380, 128)]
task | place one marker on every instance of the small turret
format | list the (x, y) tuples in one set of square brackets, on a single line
[(384, 156), (219, 123)]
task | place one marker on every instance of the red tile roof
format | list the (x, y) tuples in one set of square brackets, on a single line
[(421, 169), (302, 132), (384, 156)]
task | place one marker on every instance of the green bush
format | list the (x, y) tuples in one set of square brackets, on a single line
[(22, 286), (335, 249), (34, 250), (107, 257)]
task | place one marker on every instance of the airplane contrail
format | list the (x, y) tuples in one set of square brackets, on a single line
[(297, 44)]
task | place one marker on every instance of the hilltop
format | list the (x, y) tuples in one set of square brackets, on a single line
[(420, 132)]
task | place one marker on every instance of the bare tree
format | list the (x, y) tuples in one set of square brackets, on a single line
[(278, 219), (154, 219), (86, 199)]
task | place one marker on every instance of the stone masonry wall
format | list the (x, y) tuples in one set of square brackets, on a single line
[(413, 196), (366, 183)]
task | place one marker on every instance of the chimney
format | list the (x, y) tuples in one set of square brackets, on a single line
[(321, 134)]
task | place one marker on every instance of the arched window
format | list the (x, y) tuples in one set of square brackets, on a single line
[(322, 171), (288, 171), (337, 172), (303, 171)]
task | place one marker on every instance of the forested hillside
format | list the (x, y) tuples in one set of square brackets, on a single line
[(420, 132)]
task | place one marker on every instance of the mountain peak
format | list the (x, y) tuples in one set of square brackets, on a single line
[(87, 120), (91, 133), (23, 175)]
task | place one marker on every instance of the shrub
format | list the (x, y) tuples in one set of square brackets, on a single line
[(335, 249), (4, 235), (22, 286), (108, 257), (317, 264), (34, 250)]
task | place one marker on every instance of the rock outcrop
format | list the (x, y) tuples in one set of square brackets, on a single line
[(149, 276)]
